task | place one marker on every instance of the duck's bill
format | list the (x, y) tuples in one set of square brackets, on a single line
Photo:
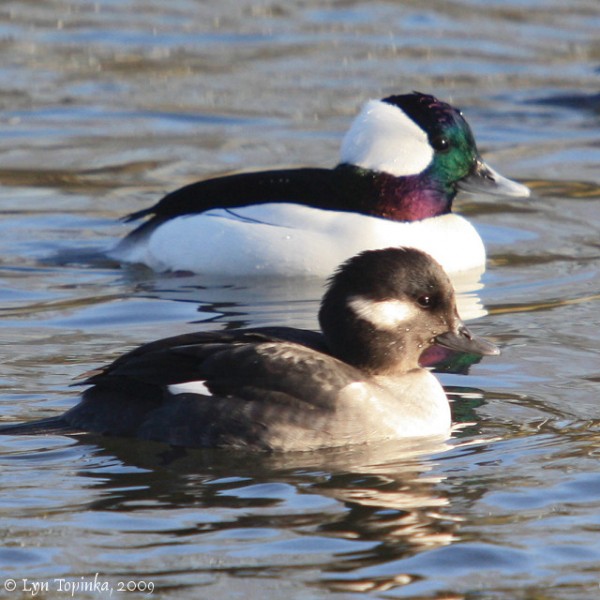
[(462, 340), (484, 180)]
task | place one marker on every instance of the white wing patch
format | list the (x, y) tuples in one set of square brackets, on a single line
[(190, 387), (383, 138), (384, 314)]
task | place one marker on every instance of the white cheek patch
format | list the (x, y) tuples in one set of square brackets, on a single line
[(383, 138), (190, 387), (385, 314)]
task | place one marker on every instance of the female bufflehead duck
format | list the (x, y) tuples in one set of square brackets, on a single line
[(279, 388), (402, 163)]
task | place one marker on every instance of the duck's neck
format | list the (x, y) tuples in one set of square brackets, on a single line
[(412, 198), (407, 198)]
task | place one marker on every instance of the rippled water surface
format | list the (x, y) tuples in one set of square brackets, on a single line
[(106, 105)]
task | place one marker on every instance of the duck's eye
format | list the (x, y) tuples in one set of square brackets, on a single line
[(425, 301), (440, 143)]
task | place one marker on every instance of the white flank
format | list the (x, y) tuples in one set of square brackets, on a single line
[(383, 138), (384, 314), (190, 387), (290, 240)]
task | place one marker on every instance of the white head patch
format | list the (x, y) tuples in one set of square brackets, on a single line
[(190, 387), (384, 314), (383, 138)]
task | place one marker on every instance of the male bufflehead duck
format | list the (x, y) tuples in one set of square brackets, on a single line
[(402, 163), (285, 389)]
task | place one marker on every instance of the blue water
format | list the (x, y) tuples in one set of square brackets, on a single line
[(105, 106)]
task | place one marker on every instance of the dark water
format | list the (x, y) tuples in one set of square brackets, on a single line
[(106, 105)]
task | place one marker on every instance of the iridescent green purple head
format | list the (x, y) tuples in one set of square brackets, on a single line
[(421, 152)]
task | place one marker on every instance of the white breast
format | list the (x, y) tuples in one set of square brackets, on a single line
[(413, 405)]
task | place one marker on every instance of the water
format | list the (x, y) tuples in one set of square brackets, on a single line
[(106, 105)]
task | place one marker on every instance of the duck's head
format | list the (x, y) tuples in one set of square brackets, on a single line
[(383, 308), (426, 148)]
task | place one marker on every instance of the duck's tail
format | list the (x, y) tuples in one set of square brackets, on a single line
[(42, 427)]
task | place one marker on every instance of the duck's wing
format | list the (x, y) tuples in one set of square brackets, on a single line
[(342, 188), (214, 389), (177, 359), (241, 189)]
